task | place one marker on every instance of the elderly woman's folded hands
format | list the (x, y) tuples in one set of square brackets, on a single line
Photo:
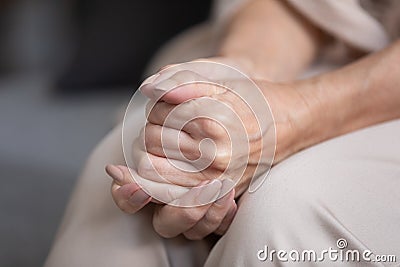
[(305, 112), (217, 144)]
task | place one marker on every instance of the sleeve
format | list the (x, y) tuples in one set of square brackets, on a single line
[(345, 20), (223, 11)]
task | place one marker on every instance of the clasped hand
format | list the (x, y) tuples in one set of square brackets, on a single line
[(225, 149)]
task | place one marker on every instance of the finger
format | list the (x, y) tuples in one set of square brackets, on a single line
[(191, 117), (170, 221), (170, 143), (167, 171), (122, 176), (215, 70), (150, 79), (212, 219), (166, 67), (119, 173), (168, 86), (147, 86), (130, 198), (226, 222), (228, 91), (175, 92), (191, 153), (157, 112)]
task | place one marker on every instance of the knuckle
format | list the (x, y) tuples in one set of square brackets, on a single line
[(122, 206), (150, 129), (149, 107), (150, 135), (115, 195), (144, 166), (222, 158), (211, 127), (156, 114), (213, 219), (120, 203), (152, 113), (161, 230), (162, 224), (191, 216)]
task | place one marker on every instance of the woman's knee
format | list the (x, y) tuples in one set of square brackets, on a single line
[(276, 212)]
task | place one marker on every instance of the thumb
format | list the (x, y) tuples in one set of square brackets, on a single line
[(180, 87)]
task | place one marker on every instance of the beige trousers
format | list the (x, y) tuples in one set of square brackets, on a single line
[(345, 188)]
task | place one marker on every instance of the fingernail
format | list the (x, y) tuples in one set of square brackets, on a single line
[(115, 173), (138, 198), (165, 86), (147, 87)]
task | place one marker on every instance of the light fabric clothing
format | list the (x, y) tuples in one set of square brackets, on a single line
[(342, 188), (346, 20), (366, 25)]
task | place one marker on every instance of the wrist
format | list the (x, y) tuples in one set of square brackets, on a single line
[(260, 68), (302, 115), (321, 111), (330, 99), (244, 63), (293, 117)]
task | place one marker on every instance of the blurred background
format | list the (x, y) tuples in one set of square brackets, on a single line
[(67, 68)]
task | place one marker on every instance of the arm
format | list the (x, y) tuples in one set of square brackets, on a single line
[(271, 40), (306, 112), (361, 94)]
